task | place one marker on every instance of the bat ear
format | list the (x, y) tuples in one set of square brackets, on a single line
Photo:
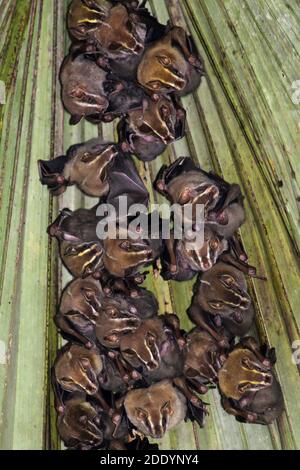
[(180, 124), (159, 183), (54, 229), (234, 194), (51, 174), (75, 120), (167, 174)]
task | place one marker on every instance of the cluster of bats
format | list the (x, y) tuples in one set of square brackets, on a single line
[(126, 372)]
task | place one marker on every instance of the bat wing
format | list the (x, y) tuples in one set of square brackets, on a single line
[(124, 180), (167, 174)]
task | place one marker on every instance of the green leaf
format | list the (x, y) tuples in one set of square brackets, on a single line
[(243, 122)]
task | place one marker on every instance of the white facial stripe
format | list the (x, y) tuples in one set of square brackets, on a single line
[(152, 359), (84, 104), (205, 282)]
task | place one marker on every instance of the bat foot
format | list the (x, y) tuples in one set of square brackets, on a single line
[(181, 343), (126, 147), (196, 413)]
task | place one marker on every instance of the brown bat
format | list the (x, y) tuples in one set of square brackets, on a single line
[(172, 64), (148, 131), (154, 348), (86, 165), (248, 386), (157, 409), (184, 183), (221, 294)]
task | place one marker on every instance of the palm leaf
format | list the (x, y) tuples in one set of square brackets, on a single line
[(243, 122)]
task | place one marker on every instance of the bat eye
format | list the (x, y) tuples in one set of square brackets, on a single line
[(216, 305), (85, 364), (113, 313), (166, 408), (185, 196), (191, 372), (141, 413), (156, 85), (78, 93), (83, 420), (150, 339), (214, 244), (85, 157), (145, 129), (228, 281), (165, 112), (67, 380), (125, 245), (164, 60), (97, 420), (88, 293), (114, 46), (129, 352), (129, 25)]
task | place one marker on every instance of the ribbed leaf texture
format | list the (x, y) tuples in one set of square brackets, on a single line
[(243, 122)]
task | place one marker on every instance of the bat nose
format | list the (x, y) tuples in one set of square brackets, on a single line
[(238, 316), (158, 433), (91, 389), (139, 48), (206, 264), (152, 365), (169, 138)]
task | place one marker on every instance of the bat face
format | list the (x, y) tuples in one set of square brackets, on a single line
[(145, 302), (223, 291), (243, 373), (80, 425), (145, 147), (229, 215), (117, 317), (126, 256), (78, 311), (152, 347), (125, 98), (121, 36), (193, 188), (157, 409), (88, 166), (182, 259), (158, 123), (248, 386), (170, 64), (155, 119), (77, 368), (185, 184), (80, 249), (204, 258), (163, 68), (111, 28), (85, 17), (85, 165), (82, 83), (82, 259), (202, 356)]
